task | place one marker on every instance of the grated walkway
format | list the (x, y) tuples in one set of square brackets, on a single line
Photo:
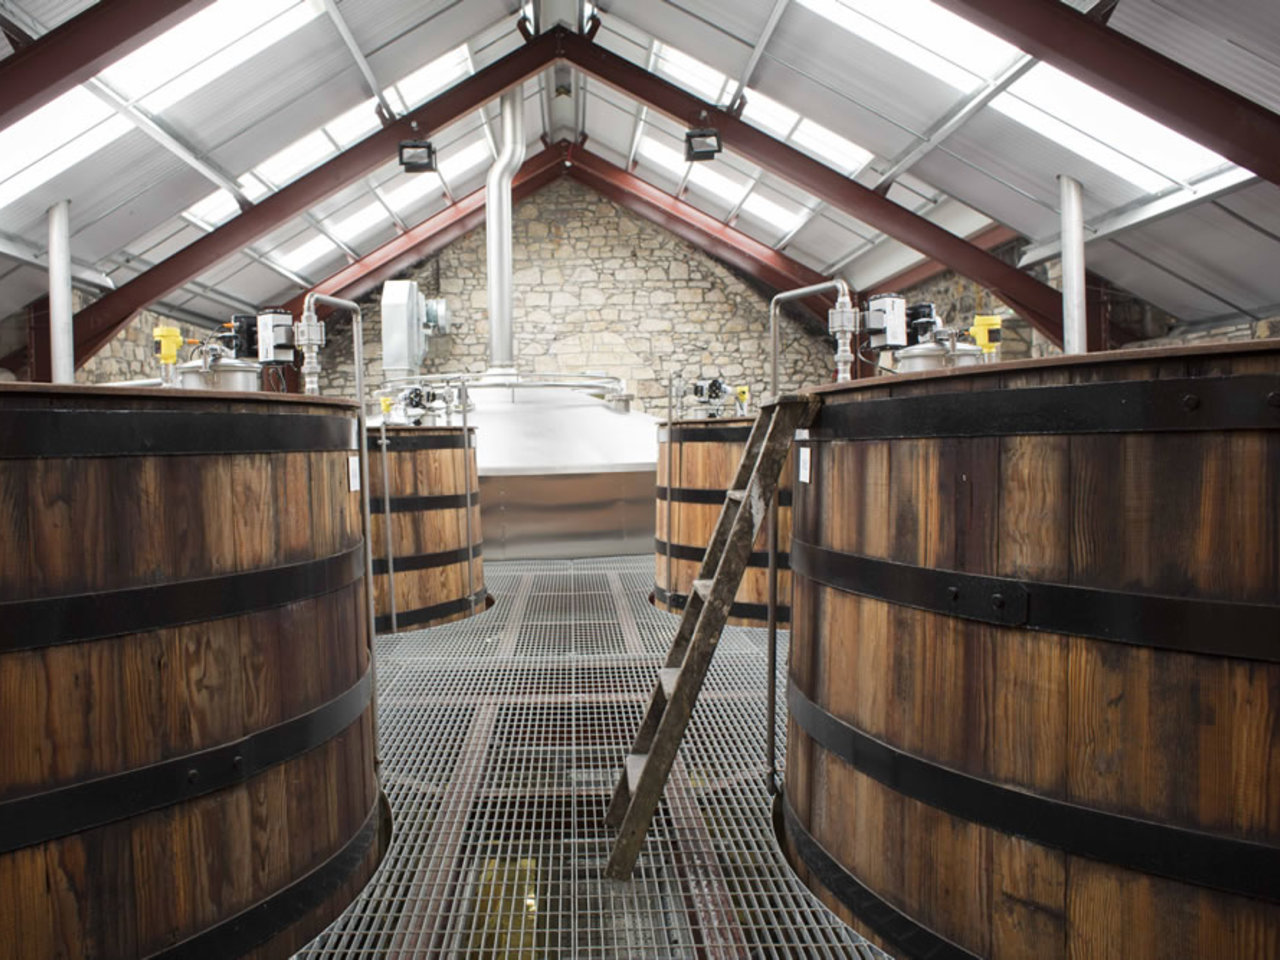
[(501, 737)]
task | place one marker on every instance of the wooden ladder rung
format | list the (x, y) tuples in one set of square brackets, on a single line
[(667, 678), (635, 768)]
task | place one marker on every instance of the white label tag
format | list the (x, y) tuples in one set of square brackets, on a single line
[(353, 473), (804, 464)]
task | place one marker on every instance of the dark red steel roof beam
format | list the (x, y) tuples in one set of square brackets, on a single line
[(74, 51), (987, 238), (98, 323), (433, 234), (1241, 130), (1037, 302)]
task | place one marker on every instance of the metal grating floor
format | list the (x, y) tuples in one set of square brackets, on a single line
[(501, 737)]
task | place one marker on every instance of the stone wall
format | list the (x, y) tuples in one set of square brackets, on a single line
[(958, 299), (597, 289), (130, 355), (1232, 332)]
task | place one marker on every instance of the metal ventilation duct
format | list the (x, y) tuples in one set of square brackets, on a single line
[(498, 228)]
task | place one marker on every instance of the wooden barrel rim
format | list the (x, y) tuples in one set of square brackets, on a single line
[(237, 935), (1101, 360), (746, 611), (1189, 856), (40, 817), (896, 927), (50, 621), (409, 618), (32, 433), (79, 392), (1193, 404), (1213, 628)]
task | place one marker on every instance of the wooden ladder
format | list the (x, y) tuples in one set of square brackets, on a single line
[(746, 505)]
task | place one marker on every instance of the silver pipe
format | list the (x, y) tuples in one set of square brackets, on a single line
[(775, 350), (1075, 337), (386, 514), (498, 229), (466, 472), (775, 342), (357, 342), (62, 344)]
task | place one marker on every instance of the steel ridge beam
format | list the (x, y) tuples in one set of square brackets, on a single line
[(1037, 302), (1234, 126), (86, 44), (99, 321), (987, 238), (433, 234), (707, 233)]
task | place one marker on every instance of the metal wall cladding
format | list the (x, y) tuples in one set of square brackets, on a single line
[(53, 12), (1209, 248), (1234, 42)]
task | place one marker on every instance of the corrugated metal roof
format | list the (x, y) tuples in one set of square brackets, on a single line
[(1233, 42), (128, 195)]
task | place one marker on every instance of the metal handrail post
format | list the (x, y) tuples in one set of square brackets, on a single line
[(386, 514), (466, 471), (775, 349)]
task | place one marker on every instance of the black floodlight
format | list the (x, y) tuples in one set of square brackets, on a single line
[(702, 144), (417, 156)]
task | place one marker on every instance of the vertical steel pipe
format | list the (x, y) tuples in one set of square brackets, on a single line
[(62, 348), (497, 218), (1075, 337)]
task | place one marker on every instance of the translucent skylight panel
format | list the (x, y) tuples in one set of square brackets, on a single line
[(40, 133), (418, 187), (729, 189), (299, 156), (356, 124), (769, 114), (220, 206), (1080, 143), (829, 147), (305, 254), (204, 47), (662, 155), (920, 32), (355, 225), (784, 219), (62, 158), (441, 72), (458, 163), (691, 73), (1111, 122)]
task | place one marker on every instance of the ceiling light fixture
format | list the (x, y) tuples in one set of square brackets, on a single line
[(702, 144), (417, 156)]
